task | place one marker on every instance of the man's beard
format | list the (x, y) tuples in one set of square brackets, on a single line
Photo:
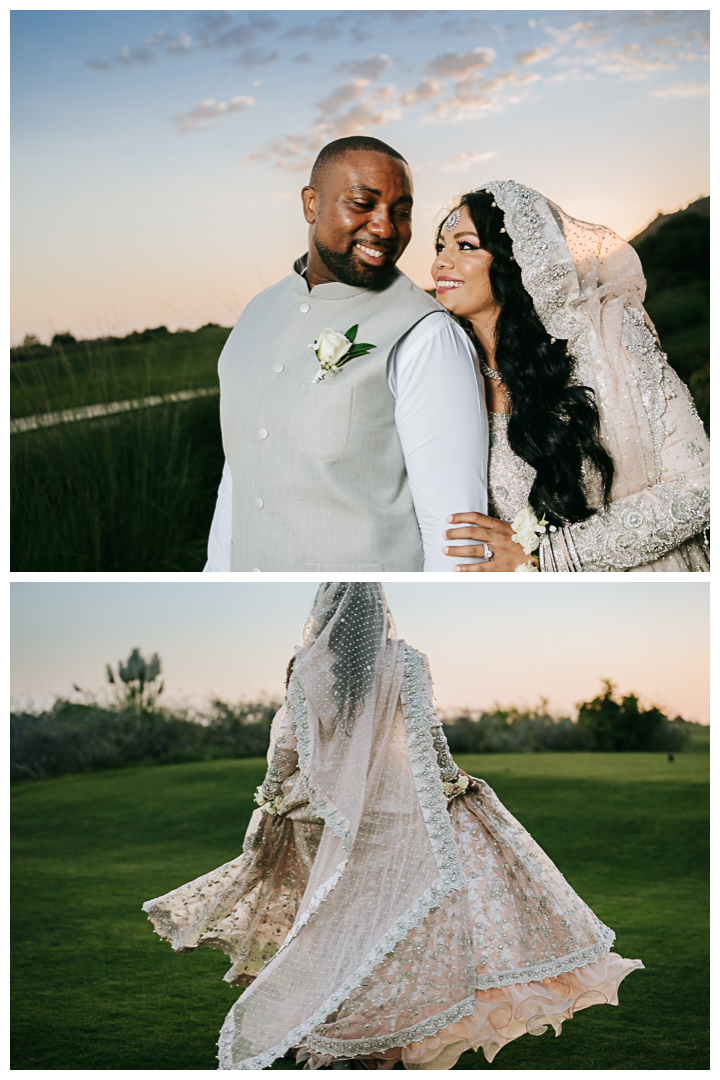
[(346, 268)]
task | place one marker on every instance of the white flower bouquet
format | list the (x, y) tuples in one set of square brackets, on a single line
[(455, 787), (270, 806), (528, 531)]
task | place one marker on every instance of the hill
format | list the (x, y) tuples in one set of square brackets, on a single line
[(675, 253), (699, 206)]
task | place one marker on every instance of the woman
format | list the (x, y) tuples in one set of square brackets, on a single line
[(594, 440), (386, 906)]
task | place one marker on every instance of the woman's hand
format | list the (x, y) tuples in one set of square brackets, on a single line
[(472, 786), (498, 536)]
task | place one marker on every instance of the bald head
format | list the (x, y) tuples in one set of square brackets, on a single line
[(331, 154)]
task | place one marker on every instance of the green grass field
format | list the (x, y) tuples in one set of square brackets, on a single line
[(94, 988)]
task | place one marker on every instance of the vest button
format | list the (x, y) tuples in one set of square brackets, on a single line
[(304, 308), (279, 368), (256, 570), (262, 433), (259, 503)]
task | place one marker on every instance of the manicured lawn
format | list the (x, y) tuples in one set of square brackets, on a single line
[(94, 988)]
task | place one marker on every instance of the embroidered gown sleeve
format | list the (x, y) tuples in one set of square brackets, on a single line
[(282, 755), (649, 524), (448, 768)]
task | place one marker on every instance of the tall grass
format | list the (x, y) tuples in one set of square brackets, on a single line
[(124, 493), (86, 372)]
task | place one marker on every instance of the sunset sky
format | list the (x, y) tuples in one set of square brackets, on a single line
[(158, 155), (486, 642)]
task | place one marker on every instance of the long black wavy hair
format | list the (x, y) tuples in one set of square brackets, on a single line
[(554, 425)]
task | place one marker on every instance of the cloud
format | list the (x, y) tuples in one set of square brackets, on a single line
[(534, 56), (456, 66), (562, 37), (180, 45), (361, 117), (138, 57), (323, 29), (210, 30), (465, 160), (302, 58), (214, 30), (591, 42), (208, 111), (372, 67), (255, 58), (424, 91), (341, 96), (683, 90), (473, 98), (368, 109)]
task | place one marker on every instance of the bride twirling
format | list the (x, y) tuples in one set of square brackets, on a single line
[(386, 907)]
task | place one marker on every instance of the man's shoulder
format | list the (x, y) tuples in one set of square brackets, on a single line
[(268, 298), (403, 284)]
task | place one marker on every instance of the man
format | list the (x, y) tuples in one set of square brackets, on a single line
[(356, 470)]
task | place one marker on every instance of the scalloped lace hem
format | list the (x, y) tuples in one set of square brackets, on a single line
[(503, 1014)]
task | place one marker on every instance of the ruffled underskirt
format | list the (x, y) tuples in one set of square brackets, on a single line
[(504, 1014)]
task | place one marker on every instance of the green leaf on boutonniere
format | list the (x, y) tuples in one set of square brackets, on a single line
[(352, 332)]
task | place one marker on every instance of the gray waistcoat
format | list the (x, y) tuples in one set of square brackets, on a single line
[(319, 479)]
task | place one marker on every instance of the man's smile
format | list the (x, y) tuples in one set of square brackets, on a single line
[(372, 253)]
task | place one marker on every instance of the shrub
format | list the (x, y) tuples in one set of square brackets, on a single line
[(77, 738)]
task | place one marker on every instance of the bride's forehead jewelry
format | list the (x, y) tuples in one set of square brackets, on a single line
[(453, 221)]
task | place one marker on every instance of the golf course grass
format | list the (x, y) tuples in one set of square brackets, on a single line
[(94, 988)]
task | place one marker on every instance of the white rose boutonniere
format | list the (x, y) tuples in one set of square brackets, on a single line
[(334, 349)]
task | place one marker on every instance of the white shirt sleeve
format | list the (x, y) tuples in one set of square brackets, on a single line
[(442, 423), (220, 539)]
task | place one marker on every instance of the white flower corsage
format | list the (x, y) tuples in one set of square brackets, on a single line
[(458, 786), (270, 806), (333, 350), (528, 531)]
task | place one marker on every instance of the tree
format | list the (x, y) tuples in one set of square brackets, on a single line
[(137, 674), (614, 724)]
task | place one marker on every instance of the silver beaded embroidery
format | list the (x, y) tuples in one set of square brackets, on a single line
[(655, 523), (509, 477)]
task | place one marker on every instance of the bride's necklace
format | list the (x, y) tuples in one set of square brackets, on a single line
[(491, 373)]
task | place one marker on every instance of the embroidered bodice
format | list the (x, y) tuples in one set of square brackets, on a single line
[(509, 477)]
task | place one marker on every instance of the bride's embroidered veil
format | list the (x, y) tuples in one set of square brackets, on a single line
[(386, 863)]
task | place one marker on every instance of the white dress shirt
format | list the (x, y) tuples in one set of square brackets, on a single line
[(442, 425)]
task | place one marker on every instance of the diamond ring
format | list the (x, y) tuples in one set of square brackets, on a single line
[(488, 553)]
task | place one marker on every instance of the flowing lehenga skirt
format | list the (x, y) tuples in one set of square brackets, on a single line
[(536, 961)]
